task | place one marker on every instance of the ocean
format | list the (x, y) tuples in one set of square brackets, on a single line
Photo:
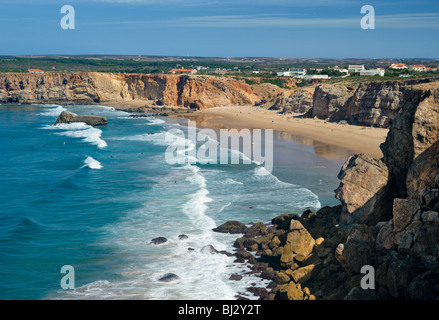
[(94, 197)]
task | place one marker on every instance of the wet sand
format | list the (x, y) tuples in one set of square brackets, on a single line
[(296, 159), (330, 140)]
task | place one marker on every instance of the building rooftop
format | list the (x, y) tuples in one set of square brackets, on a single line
[(182, 70)]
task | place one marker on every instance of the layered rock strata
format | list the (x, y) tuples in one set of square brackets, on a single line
[(196, 92), (371, 103)]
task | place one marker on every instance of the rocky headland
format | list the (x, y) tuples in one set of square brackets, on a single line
[(388, 217), (131, 92)]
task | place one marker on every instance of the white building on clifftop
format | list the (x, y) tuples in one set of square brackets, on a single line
[(373, 72), (298, 73), (356, 67)]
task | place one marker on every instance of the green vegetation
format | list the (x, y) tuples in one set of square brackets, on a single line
[(249, 81), (356, 79), (277, 82), (281, 83), (250, 70), (113, 64), (329, 72)]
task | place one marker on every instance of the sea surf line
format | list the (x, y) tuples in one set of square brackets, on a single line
[(250, 143)]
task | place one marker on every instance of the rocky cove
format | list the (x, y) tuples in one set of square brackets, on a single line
[(388, 219), (388, 215)]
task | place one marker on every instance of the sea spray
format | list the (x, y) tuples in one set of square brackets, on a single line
[(53, 111), (88, 133), (102, 221), (92, 163)]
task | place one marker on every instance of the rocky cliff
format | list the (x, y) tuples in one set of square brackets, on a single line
[(371, 104), (402, 239), (298, 101), (388, 221), (89, 87)]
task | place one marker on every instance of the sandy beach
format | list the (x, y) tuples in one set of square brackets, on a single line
[(359, 139)]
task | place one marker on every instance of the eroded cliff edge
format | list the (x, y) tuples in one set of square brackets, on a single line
[(388, 219), (370, 103), (185, 91)]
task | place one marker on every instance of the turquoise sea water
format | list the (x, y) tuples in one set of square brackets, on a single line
[(93, 198)]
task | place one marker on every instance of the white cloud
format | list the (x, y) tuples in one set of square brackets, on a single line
[(313, 3), (396, 21)]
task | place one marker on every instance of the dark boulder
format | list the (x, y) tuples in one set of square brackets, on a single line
[(209, 249), (235, 277), (232, 227), (158, 240), (70, 117), (168, 277)]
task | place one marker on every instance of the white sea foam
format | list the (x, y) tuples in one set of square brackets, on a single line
[(301, 197), (224, 206), (46, 105), (66, 126), (168, 213), (154, 121), (231, 181), (196, 207), (182, 207), (92, 163), (159, 138), (88, 133), (53, 111)]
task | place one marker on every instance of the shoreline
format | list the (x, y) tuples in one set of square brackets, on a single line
[(358, 139)]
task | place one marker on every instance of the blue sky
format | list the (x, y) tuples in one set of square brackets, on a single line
[(235, 28)]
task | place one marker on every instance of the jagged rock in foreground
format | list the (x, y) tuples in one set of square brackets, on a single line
[(92, 120), (363, 190), (403, 249)]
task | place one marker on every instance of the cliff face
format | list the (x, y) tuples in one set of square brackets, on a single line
[(402, 242), (371, 104), (377, 103), (299, 101), (328, 101), (90, 87), (410, 140)]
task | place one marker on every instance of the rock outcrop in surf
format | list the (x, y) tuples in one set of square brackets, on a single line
[(91, 120)]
